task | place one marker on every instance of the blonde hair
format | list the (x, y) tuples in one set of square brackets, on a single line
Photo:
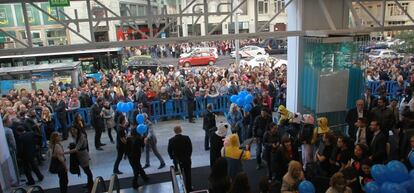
[(294, 165), (46, 115), (337, 177)]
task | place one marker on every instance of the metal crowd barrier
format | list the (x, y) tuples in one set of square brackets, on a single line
[(391, 87), (158, 110)]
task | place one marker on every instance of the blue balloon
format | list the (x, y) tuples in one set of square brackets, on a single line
[(243, 93), (130, 106), (411, 158), (119, 106), (247, 107), (388, 187), (408, 185), (248, 98), (379, 173), (372, 187), (141, 129), (397, 172), (124, 108), (140, 119), (240, 102), (234, 98), (412, 174), (306, 187)]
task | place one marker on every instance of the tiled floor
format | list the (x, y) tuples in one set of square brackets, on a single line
[(102, 161)]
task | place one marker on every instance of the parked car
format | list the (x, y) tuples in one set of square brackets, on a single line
[(249, 51), (201, 49), (384, 54), (274, 46), (196, 59), (261, 60)]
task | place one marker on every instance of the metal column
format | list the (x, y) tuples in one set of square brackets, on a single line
[(90, 17), (27, 25)]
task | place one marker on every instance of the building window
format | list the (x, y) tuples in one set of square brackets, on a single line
[(142, 10), (394, 10), (263, 6), (134, 9), (279, 5), (396, 23), (123, 9), (56, 37)]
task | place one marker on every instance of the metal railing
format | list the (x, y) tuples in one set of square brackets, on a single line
[(35, 189), (114, 182), (19, 190), (99, 181), (177, 180)]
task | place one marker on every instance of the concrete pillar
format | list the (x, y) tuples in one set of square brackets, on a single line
[(307, 15)]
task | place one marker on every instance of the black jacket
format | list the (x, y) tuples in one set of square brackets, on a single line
[(352, 117), (378, 148), (60, 109), (260, 126), (180, 148), (133, 147), (209, 121), (96, 119), (189, 94), (26, 145), (216, 143)]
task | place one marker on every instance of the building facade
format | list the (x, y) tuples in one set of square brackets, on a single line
[(45, 31)]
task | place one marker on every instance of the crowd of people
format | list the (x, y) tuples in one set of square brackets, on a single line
[(28, 115), (294, 148)]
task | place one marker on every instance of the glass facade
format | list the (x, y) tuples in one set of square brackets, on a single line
[(325, 62)]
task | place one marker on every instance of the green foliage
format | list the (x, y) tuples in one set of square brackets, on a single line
[(408, 45)]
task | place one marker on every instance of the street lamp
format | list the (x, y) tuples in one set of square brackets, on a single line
[(236, 31)]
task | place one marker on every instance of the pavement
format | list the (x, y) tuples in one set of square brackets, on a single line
[(102, 162)]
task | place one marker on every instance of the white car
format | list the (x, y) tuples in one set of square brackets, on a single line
[(201, 50), (249, 51), (383, 53), (261, 60)]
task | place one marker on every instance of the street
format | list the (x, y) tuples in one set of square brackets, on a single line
[(222, 61)]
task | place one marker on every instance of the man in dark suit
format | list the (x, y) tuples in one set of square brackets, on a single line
[(189, 95), (353, 115), (209, 125), (369, 99), (384, 117), (60, 109), (26, 150), (180, 150), (273, 91), (97, 122), (378, 144)]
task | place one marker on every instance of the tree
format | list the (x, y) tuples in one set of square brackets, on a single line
[(408, 38)]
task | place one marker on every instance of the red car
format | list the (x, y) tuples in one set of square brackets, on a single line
[(196, 59)]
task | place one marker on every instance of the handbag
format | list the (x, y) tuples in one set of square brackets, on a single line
[(55, 164)]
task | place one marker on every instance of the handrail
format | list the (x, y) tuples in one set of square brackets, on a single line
[(19, 190), (98, 180), (174, 180), (35, 189), (114, 182)]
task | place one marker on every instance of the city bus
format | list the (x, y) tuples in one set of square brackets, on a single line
[(92, 61), (34, 77)]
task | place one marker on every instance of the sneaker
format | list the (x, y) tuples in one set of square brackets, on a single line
[(118, 172), (146, 166), (41, 178), (258, 167), (161, 166), (99, 149), (30, 183)]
